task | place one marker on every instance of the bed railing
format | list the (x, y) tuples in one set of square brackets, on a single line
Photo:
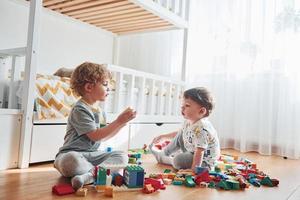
[(177, 7), (153, 96), (149, 94)]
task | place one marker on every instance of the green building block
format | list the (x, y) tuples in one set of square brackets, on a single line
[(189, 181), (212, 184), (234, 185), (177, 183), (228, 166), (223, 185), (267, 181), (101, 176), (132, 160), (217, 169)]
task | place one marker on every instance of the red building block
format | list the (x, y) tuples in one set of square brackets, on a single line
[(203, 177), (156, 184), (63, 189)]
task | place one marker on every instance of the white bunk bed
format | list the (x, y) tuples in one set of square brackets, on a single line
[(154, 97)]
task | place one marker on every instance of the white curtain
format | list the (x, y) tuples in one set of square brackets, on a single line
[(247, 52)]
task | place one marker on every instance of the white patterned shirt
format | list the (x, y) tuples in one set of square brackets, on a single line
[(203, 135)]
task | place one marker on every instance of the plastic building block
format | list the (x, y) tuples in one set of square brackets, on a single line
[(242, 181), (203, 184), (217, 169), (157, 184), (203, 177), (234, 185), (148, 189), (228, 166), (101, 176), (117, 179), (167, 181), (254, 182), (124, 188), (135, 155), (108, 180), (189, 181), (139, 162), (108, 149), (177, 178), (275, 182), (63, 189), (82, 192), (251, 175), (108, 192), (199, 170), (100, 188), (155, 176), (223, 185), (221, 175), (131, 160), (177, 182), (171, 176), (267, 182), (211, 184), (134, 176)]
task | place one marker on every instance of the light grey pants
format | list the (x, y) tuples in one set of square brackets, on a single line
[(183, 160), (76, 163)]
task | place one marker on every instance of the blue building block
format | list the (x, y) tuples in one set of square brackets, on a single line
[(199, 170), (255, 182), (108, 149), (134, 176)]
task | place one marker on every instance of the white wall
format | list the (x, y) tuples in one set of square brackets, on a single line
[(158, 52), (64, 42)]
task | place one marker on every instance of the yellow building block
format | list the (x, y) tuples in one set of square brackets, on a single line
[(82, 192)]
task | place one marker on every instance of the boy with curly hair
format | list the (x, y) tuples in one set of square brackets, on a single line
[(86, 127)]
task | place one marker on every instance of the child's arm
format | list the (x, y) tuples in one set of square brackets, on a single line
[(168, 135), (198, 157), (112, 129)]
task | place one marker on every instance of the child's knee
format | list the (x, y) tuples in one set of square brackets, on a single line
[(182, 161), (177, 164), (72, 163)]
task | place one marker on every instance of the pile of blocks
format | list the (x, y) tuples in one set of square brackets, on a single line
[(231, 173)]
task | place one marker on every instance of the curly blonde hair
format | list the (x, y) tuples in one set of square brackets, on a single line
[(88, 72)]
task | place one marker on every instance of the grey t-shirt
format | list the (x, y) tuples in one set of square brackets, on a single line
[(82, 120)]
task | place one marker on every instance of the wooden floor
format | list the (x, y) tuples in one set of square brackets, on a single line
[(36, 183)]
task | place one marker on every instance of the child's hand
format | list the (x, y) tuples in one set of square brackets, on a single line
[(156, 139), (126, 116)]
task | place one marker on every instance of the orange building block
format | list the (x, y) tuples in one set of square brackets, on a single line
[(108, 192)]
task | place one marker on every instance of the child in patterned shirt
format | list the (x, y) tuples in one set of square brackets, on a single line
[(197, 139)]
